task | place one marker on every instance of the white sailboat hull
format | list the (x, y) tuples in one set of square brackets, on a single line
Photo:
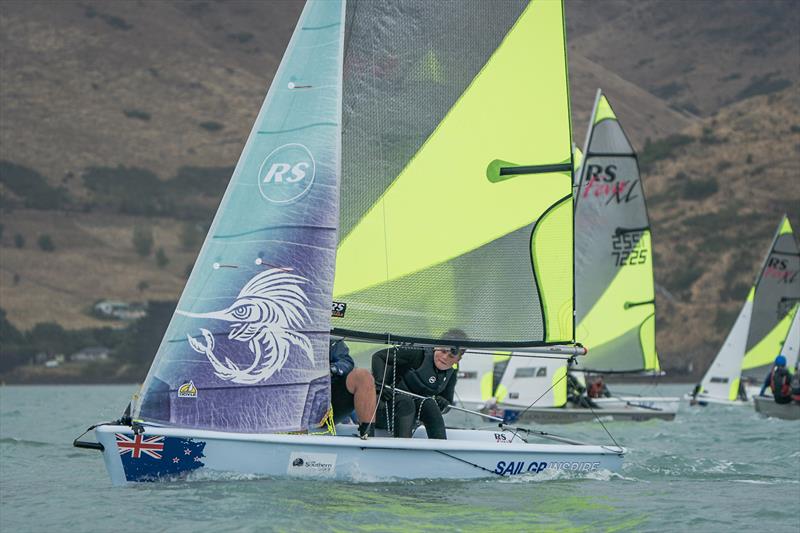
[(466, 454)]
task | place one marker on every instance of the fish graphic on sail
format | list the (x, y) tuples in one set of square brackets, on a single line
[(614, 287), (762, 324), (267, 315)]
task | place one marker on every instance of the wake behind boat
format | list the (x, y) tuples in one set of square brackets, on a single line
[(337, 207)]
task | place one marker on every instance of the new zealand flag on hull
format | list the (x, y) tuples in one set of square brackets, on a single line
[(148, 458)]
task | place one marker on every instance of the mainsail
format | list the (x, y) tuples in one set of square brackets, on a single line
[(764, 321), (247, 349), (449, 126), (614, 288), (774, 296), (456, 191)]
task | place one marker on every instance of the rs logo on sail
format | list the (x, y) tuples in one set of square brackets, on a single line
[(286, 174)]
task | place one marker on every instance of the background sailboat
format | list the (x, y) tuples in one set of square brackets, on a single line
[(762, 325), (436, 231), (614, 285), (791, 349)]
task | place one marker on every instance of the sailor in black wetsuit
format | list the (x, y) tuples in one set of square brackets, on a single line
[(427, 372)]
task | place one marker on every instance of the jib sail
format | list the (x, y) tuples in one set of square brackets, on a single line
[(247, 348)]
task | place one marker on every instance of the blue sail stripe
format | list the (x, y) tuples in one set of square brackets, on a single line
[(265, 132)]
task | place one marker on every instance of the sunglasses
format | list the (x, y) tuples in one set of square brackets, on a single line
[(452, 351)]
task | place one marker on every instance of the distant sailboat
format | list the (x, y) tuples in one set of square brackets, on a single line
[(391, 178), (766, 405), (761, 327)]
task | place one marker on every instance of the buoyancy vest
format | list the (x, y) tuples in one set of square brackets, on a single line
[(780, 382), (427, 380)]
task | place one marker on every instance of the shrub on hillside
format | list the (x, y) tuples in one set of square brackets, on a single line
[(161, 258), (19, 241), (661, 149), (142, 240), (765, 84), (137, 114), (31, 187), (211, 125), (46, 243), (699, 189), (130, 190)]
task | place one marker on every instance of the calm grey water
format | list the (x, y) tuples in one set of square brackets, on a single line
[(712, 469)]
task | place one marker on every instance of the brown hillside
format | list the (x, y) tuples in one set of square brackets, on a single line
[(161, 86)]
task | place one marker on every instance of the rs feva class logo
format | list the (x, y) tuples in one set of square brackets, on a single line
[(286, 174)]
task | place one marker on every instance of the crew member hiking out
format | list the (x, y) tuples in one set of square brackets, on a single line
[(422, 371)]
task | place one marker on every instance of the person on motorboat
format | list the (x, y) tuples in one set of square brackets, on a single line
[(598, 389), (576, 393), (779, 381), (428, 372), (351, 388)]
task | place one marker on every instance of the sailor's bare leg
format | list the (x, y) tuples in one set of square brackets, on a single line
[(362, 386)]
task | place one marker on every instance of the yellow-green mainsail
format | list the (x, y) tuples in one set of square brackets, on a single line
[(474, 231)]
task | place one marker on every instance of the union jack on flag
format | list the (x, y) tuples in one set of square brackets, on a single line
[(138, 444)]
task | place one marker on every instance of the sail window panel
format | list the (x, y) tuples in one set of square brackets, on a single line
[(481, 292)]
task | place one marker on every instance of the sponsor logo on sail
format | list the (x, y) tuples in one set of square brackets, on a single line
[(286, 174), (187, 390), (602, 182), (778, 269)]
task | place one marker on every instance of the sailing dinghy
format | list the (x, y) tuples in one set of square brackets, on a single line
[(614, 284), (791, 348), (391, 178), (762, 325)]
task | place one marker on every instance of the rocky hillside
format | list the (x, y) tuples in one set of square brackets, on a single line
[(119, 117)]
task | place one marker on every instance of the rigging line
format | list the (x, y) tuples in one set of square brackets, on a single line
[(468, 462), (572, 360), (604, 427)]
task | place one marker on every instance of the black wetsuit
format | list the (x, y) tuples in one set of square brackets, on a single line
[(415, 372)]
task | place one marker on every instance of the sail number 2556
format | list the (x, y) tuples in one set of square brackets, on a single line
[(624, 249)]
